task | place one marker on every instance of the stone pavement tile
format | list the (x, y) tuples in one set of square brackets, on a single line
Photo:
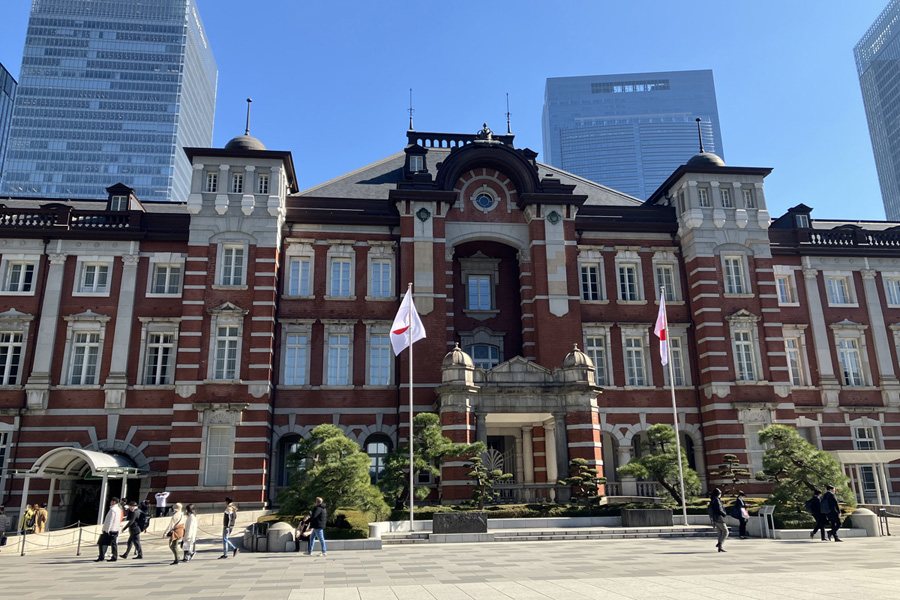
[(552, 590), (446, 592), (516, 590), (346, 593), (307, 594), (481, 591), (379, 592), (588, 591), (410, 592)]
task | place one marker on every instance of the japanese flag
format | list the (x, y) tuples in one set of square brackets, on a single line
[(407, 328), (660, 330)]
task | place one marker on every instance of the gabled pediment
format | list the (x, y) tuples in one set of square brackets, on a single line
[(518, 370), (227, 308), (742, 315)]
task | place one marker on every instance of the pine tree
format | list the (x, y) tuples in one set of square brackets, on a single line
[(733, 472), (585, 482), (484, 480), (659, 462)]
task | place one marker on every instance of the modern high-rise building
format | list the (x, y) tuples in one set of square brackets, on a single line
[(7, 95), (110, 90), (878, 63), (630, 131)]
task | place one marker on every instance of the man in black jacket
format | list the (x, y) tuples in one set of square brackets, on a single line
[(831, 510), (717, 514), (318, 520), (134, 518), (814, 506)]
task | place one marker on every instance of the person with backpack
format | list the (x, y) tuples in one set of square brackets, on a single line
[(739, 511), (831, 511), (135, 525), (28, 520), (717, 515), (814, 506)]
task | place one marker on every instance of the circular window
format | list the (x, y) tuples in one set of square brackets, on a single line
[(484, 201)]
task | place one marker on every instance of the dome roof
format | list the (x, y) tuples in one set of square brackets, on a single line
[(577, 358), (705, 159), (244, 142), (457, 358)]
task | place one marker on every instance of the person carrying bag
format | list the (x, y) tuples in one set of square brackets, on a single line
[(175, 533)]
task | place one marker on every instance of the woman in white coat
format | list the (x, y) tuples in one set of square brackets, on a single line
[(190, 532)]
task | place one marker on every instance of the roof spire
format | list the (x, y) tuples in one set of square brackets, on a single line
[(411, 111), (247, 129), (699, 136), (508, 128)]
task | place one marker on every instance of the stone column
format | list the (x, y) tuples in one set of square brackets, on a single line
[(223, 188), (520, 460), (562, 444), (248, 199), (885, 482), (38, 387), (828, 382), (550, 452), (629, 484), (115, 387), (528, 454), (887, 379), (481, 427)]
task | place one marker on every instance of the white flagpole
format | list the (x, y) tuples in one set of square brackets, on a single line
[(674, 408), (412, 489)]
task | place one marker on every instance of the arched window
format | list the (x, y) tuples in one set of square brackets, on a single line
[(484, 355), (287, 445), (377, 446)]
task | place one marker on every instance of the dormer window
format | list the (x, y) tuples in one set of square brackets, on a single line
[(416, 163), (802, 221), (118, 203)]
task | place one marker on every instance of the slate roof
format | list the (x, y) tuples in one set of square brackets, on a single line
[(374, 181)]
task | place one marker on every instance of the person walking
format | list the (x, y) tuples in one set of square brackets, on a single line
[(814, 506), (27, 524), (4, 526), (40, 518), (739, 511), (831, 510), (134, 525), (318, 520), (161, 508), (175, 533), (717, 514), (190, 532), (109, 536), (228, 527)]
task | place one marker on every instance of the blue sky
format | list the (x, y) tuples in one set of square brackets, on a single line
[(330, 80)]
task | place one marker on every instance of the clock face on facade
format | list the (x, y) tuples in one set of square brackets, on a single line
[(484, 201)]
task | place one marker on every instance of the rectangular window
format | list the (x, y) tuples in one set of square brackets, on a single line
[(726, 198), (749, 201), (634, 361), (851, 366), (338, 359), (802, 221), (10, 359), (94, 278), (298, 282), (167, 279), (628, 283), (379, 359), (703, 195), (785, 289), (734, 275), (226, 357), (218, 452), (596, 349), (755, 450), (19, 277), (794, 357), (85, 359), (340, 277), (416, 163), (665, 280), (479, 292), (212, 182), (118, 203), (893, 290), (237, 183), (232, 265), (839, 290), (864, 438), (677, 362), (381, 279), (160, 355), (295, 359), (743, 354), (590, 282), (262, 183)]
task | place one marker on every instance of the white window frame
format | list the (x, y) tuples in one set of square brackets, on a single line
[(24, 261), (795, 356), (298, 253), (151, 326), (849, 339), (592, 259), (846, 283), (749, 198), (865, 437), (629, 259), (296, 327), (237, 183), (596, 346), (786, 286), (6, 436), (416, 163), (755, 450), (891, 282), (12, 355), (379, 330), (87, 322), (118, 203), (166, 260), (262, 183), (640, 332), (735, 284), (744, 332), (223, 248), (225, 315), (337, 328), (725, 193), (211, 184), (228, 420), (15, 322), (703, 197), (380, 255), (667, 260), (678, 341), (478, 266), (82, 264), (344, 254), (483, 336)]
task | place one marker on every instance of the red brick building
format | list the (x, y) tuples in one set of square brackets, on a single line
[(188, 346)]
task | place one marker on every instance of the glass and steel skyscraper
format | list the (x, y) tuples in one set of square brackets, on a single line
[(631, 131), (878, 64), (110, 91), (7, 95)]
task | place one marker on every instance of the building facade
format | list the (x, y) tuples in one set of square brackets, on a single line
[(7, 97), (878, 63), (629, 131), (190, 346), (110, 90)]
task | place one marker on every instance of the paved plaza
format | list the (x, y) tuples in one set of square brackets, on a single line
[(658, 569)]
